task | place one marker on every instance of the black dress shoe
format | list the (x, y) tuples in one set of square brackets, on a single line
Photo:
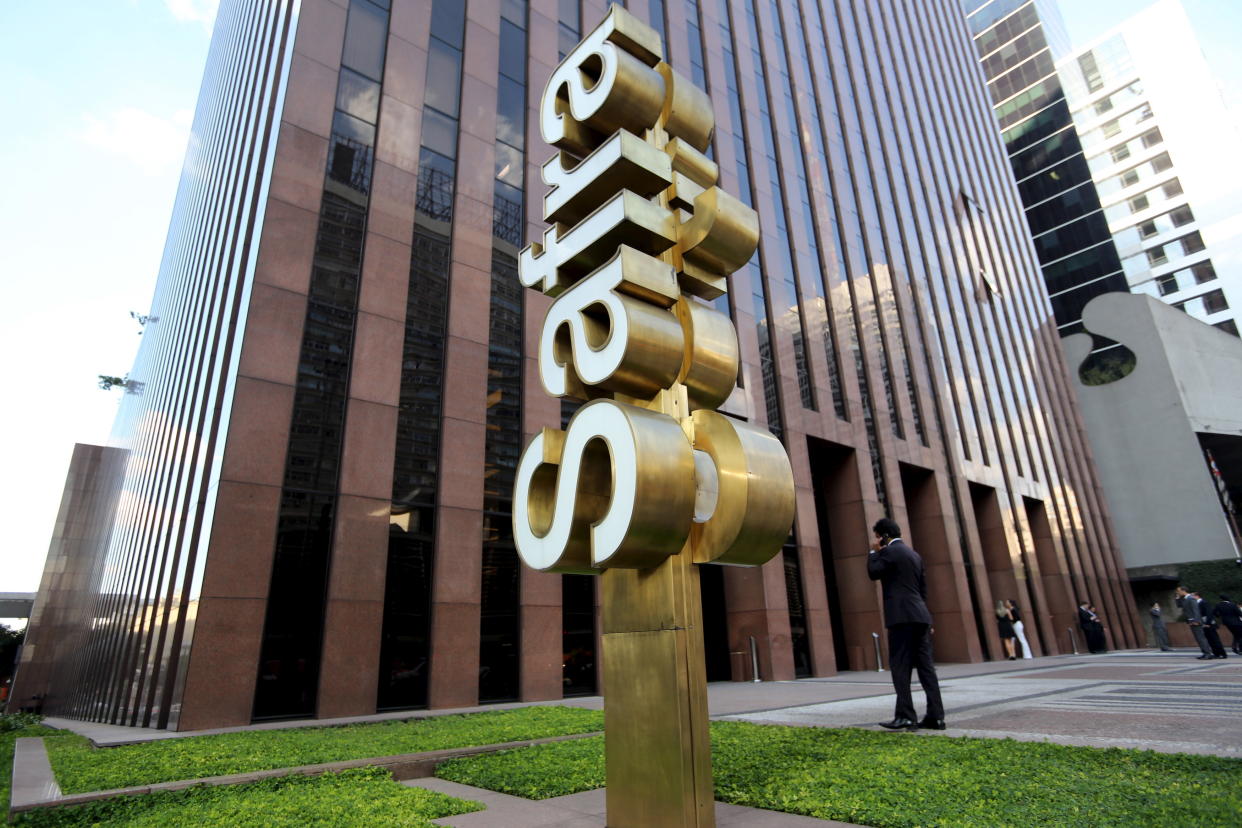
[(1200, 658), (900, 724), (932, 724)]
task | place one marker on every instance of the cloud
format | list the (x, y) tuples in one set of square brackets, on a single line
[(194, 11), (150, 142)]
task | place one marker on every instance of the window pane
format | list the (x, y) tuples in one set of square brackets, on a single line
[(511, 113), (508, 164), (1139, 203), (358, 96), (440, 133), (1172, 188), (364, 40), (448, 17), (512, 51), (1161, 162), (443, 78), (1214, 302), (1204, 272), (1147, 228), (567, 10), (1181, 215), (1167, 284), (1120, 153), (1192, 243), (1152, 137)]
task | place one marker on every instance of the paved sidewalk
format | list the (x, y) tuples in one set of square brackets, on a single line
[(1169, 702), (586, 810)]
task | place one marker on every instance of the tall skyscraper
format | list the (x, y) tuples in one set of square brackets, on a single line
[(1162, 152), (1018, 43), (313, 519)]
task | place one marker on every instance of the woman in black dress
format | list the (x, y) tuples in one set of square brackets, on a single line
[(1004, 623)]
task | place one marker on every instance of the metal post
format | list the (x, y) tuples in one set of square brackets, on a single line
[(1073, 641), (754, 659), (879, 665)]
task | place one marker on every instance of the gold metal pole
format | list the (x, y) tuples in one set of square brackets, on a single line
[(658, 752)]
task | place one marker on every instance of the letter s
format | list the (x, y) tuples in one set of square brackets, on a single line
[(579, 503)]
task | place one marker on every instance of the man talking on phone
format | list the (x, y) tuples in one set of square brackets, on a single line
[(899, 569)]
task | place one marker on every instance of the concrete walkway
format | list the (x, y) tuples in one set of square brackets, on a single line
[(1168, 702)]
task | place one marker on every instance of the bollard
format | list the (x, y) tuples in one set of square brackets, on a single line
[(754, 659), (1073, 641), (879, 665)]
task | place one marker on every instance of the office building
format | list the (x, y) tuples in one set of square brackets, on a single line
[(1162, 152), (324, 422), (1018, 43)]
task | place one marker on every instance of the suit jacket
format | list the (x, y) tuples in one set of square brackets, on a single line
[(1087, 618), (1227, 612), (1190, 606), (1205, 610), (899, 569)]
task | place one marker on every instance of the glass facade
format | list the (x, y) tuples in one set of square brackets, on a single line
[(1018, 48), (325, 421)]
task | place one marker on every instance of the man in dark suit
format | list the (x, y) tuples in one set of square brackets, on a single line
[(900, 570), (1209, 627), (1231, 616), (1092, 628)]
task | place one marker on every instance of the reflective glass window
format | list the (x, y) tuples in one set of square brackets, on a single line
[(511, 113), (359, 96), (366, 34), (440, 133), (512, 51), (443, 78), (508, 164), (448, 18)]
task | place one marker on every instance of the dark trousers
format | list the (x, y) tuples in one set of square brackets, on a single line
[(1162, 636), (909, 646), (1213, 639), (1201, 638), (1236, 632)]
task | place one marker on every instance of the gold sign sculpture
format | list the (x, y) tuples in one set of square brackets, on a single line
[(647, 479)]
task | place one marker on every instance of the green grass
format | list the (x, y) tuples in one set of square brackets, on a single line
[(80, 767), (364, 797), (895, 780)]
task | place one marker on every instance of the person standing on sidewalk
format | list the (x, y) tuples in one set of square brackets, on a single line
[(899, 569), (1018, 630), (1194, 619), (1231, 616), (1158, 629), (1209, 628)]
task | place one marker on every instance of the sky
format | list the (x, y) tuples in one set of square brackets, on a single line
[(100, 96), (105, 90)]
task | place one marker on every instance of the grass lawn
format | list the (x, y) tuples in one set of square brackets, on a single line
[(364, 798), (889, 780), (80, 767)]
